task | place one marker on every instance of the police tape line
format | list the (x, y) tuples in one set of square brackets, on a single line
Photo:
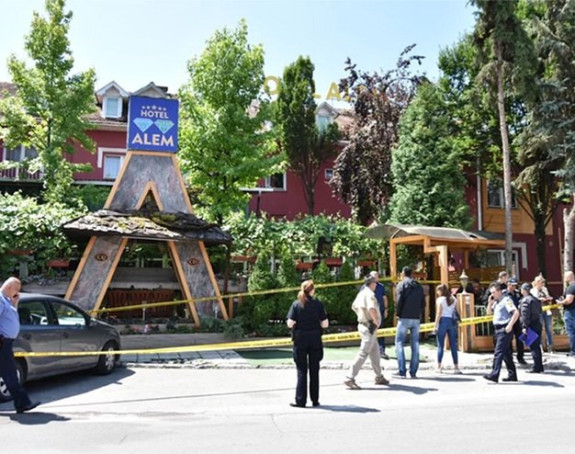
[(244, 345), (235, 295), (215, 297)]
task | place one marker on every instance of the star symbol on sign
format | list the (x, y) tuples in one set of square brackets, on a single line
[(154, 107)]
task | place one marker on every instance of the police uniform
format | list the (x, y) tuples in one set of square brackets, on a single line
[(307, 347), (502, 313), (515, 296)]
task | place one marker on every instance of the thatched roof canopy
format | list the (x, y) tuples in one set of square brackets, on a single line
[(147, 226)]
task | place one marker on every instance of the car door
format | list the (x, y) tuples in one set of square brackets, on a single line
[(39, 333), (76, 335)]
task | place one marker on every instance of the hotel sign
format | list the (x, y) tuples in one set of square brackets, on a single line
[(153, 124)]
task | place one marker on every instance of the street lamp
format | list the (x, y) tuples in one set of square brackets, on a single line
[(464, 279)]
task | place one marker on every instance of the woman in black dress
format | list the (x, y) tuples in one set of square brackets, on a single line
[(306, 318)]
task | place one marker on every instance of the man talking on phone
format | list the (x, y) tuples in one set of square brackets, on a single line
[(9, 328)]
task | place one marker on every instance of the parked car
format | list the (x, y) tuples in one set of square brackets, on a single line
[(52, 324)]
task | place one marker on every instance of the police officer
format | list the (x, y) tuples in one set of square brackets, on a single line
[(306, 318), (505, 315), (515, 296), (530, 317)]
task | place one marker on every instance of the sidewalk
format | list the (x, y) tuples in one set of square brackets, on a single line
[(278, 358)]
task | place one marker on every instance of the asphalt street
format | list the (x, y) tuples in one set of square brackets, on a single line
[(178, 409)]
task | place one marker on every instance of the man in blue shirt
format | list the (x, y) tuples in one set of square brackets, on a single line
[(505, 315), (9, 328)]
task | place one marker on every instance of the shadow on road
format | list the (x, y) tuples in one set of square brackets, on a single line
[(34, 418), (59, 387), (448, 378), (348, 409)]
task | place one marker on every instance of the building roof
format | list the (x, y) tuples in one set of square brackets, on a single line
[(438, 234), (147, 226)]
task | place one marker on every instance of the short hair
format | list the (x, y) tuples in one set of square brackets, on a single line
[(374, 274), (368, 280), (497, 286), (502, 274), (406, 271)]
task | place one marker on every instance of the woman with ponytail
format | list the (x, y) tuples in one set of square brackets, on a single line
[(306, 318), (446, 324)]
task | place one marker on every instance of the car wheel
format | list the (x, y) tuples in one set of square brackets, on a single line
[(4, 393), (107, 361)]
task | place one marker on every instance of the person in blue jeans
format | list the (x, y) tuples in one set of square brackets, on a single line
[(445, 324), (540, 292), (410, 305), (568, 303)]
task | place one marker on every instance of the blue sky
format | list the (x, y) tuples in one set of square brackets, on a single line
[(137, 41)]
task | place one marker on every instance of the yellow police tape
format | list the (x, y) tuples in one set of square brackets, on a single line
[(280, 342)]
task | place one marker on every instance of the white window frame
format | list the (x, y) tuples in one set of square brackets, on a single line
[(109, 156), (23, 150), (267, 183), (514, 259), (102, 151), (118, 112)]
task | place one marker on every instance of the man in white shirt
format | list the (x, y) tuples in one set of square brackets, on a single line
[(368, 320)]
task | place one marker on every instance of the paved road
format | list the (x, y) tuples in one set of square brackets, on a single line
[(181, 410)]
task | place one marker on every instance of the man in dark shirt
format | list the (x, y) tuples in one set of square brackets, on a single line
[(568, 302), (410, 305), (530, 317)]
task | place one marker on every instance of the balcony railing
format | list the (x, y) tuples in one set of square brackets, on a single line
[(19, 174)]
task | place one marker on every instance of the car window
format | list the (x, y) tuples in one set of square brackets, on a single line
[(68, 316), (33, 313)]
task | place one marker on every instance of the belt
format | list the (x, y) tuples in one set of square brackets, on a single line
[(500, 326)]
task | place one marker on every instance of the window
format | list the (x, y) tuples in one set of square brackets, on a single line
[(495, 197), (496, 257), (276, 181), (112, 166), (19, 154), (328, 174), (112, 107), (68, 316), (323, 122)]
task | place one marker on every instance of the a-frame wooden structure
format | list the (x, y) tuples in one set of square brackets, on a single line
[(156, 175)]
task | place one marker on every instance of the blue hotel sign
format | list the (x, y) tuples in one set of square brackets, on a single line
[(153, 124)]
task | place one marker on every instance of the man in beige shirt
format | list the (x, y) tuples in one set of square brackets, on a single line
[(368, 319)]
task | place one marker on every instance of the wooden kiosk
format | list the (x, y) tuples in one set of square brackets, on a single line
[(440, 241)]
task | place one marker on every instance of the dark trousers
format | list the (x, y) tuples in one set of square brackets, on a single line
[(10, 376), (518, 344), (307, 354), (536, 346), (503, 354)]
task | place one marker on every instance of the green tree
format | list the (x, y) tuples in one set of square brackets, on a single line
[(362, 175), (428, 181), (48, 111), (550, 137), (506, 55), (225, 142), (305, 145)]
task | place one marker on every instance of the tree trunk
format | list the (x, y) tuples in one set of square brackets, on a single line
[(568, 223), (539, 221), (506, 162)]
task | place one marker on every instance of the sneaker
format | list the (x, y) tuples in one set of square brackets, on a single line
[(381, 381), (384, 356), (457, 371), (351, 384), (438, 370), (398, 375)]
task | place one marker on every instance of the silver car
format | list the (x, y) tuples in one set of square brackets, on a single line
[(52, 324)]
